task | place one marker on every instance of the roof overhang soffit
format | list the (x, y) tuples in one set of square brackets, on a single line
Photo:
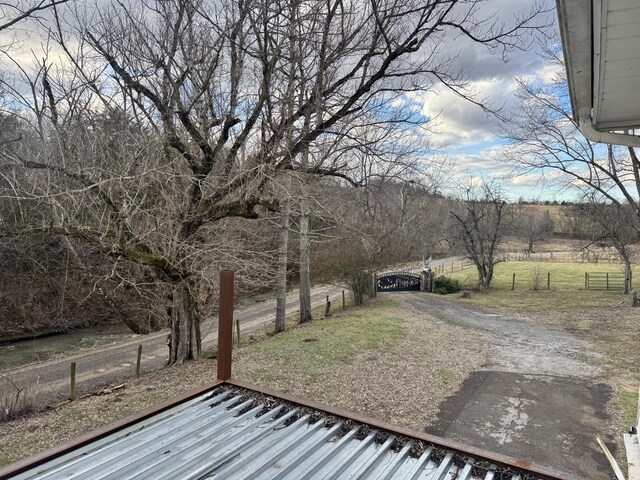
[(584, 30)]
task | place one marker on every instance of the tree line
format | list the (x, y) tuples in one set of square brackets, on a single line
[(148, 145)]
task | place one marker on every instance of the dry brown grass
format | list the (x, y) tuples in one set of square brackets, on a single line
[(403, 382), (400, 373)]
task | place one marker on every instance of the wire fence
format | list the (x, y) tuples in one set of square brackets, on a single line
[(599, 257), (608, 256)]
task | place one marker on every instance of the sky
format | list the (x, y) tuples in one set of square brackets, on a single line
[(467, 136)]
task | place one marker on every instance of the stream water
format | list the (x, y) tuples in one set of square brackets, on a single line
[(22, 352)]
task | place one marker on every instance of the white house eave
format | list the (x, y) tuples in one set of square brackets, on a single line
[(585, 60)]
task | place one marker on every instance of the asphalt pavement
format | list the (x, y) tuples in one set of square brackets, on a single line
[(539, 398)]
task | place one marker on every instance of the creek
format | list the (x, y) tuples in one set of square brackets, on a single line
[(40, 349)]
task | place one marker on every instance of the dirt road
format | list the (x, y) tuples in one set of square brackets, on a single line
[(48, 382), (537, 399)]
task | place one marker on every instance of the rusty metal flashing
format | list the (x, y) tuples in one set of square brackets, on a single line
[(476, 453)]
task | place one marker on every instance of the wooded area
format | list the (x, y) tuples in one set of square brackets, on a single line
[(146, 146)]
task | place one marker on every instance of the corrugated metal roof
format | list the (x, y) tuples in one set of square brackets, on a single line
[(234, 433)]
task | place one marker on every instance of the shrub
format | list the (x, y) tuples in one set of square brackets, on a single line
[(16, 403), (446, 285), (536, 278)]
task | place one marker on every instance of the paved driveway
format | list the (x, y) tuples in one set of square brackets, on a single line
[(537, 399)]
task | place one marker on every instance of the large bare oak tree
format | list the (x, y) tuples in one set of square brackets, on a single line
[(167, 119)]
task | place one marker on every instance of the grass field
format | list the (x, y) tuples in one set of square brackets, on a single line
[(563, 275), (566, 292)]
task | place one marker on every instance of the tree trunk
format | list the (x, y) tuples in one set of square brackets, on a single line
[(305, 241), (627, 274), (484, 278), (305, 280), (282, 266), (185, 325)]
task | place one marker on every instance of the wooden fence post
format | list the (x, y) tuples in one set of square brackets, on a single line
[(344, 302), (238, 331), (513, 281), (138, 360), (586, 280), (607, 280), (225, 325), (327, 308), (74, 393)]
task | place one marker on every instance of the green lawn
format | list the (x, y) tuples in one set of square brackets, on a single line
[(629, 403), (567, 281), (563, 275), (320, 345)]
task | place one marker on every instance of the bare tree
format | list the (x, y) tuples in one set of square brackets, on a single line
[(532, 225), (16, 11), (615, 225), (385, 222), (478, 228), (546, 139), (197, 97)]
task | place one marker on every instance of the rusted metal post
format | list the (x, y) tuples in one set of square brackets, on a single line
[(513, 281), (225, 325), (548, 280), (607, 280), (586, 280), (74, 392), (138, 360), (344, 301), (238, 331)]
